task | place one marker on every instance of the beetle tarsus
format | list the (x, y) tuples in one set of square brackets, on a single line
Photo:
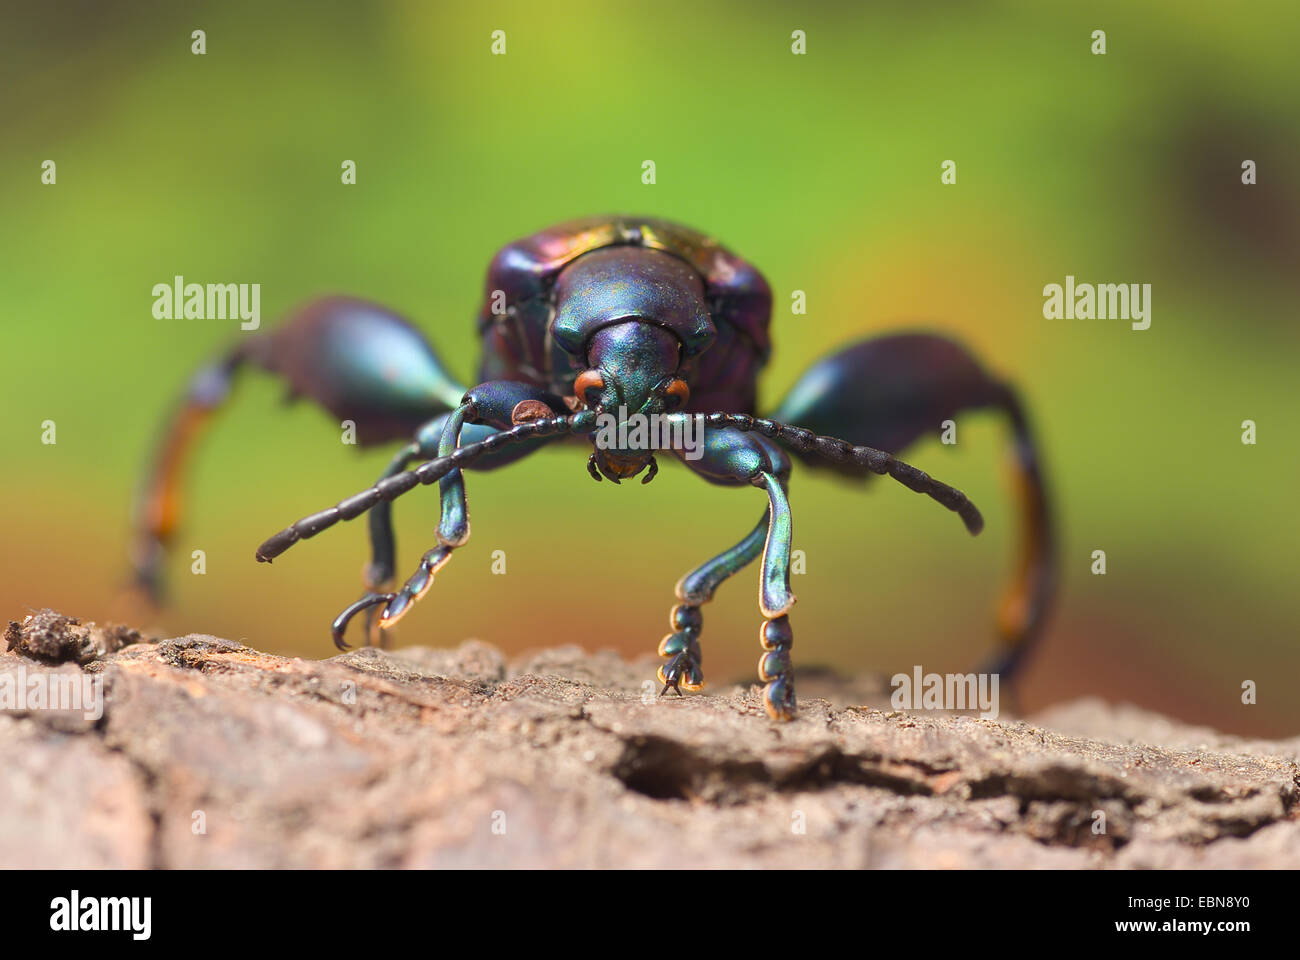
[(775, 670), (683, 670), (682, 648)]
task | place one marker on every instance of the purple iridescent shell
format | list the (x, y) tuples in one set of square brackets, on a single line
[(535, 317)]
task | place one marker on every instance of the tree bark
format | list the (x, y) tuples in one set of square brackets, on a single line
[(212, 754)]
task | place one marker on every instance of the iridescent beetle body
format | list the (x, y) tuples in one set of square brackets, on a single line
[(528, 338), (617, 316)]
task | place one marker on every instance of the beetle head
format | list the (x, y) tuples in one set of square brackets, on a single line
[(629, 316), (633, 369)]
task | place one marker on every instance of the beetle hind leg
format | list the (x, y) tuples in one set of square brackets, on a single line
[(890, 391), (158, 507)]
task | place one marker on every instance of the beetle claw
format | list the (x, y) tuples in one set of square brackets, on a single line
[(670, 682), (683, 670), (340, 625), (591, 468)]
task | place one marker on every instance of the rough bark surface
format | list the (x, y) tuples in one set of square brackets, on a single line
[(211, 754)]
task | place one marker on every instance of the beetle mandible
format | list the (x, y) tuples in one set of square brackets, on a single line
[(616, 315)]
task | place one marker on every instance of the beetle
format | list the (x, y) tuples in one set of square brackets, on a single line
[(616, 316)]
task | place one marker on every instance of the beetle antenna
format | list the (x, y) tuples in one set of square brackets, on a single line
[(841, 451), (431, 471)]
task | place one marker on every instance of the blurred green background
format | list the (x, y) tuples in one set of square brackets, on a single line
[(822, 169)]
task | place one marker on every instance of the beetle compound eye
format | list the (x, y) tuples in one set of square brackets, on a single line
[(588, 381), (677, 393)]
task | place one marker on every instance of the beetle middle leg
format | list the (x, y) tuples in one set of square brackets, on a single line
[(733, 458), (325, 353)]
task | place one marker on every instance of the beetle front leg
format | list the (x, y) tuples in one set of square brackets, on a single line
[(487, 409), (382, 568), (733, 458), (453, 528), (682, 646), (453, 531), (775, 600)]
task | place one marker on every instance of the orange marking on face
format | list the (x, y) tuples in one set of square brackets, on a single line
[(680, 390), (588, 380)]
